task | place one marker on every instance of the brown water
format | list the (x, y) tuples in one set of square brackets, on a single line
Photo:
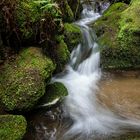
[(119, 91)]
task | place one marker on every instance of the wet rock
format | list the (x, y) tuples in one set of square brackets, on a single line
[(54, 92), (118, 34)]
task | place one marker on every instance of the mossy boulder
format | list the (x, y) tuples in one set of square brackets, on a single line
[(30, 22), (12, 127), (61, 53), (72, 35), (38, 20), (129, 33), (23, 81), (54, 92), (118, 34)]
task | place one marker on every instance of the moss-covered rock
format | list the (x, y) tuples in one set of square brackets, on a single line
[(23, 81), (30, 22), (38, 20), (54, 92), (61, 54), (106, 29), (72, 35), (118, 34), (12, 127), (129, 33)]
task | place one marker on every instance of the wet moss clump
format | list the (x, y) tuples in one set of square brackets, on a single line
[(54, 92), (72, 35), (12, 127), (118, 35), (23, 81)]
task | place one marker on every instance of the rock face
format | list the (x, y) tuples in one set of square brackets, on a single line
[(72, 35), (54, 92), (23, 81), (118, 33), (12, 127)]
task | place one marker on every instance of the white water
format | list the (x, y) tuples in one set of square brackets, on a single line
[(81, 78)]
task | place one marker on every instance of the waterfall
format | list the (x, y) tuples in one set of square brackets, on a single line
[(81, 79)]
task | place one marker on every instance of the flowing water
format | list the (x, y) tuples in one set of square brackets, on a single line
[(88, 112)]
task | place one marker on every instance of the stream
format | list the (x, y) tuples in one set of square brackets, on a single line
[(100, 105)]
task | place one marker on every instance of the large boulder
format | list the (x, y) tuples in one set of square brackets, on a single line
[(12, 127), (118, 34), (72, 35), (23, 81)]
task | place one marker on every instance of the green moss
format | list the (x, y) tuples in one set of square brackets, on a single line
[(23, 82), (28, 16), (129, 33), (12, 127), (62, 54), (118, 32), (72, 35), (55, 91), (107, 26), (29, 19)]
